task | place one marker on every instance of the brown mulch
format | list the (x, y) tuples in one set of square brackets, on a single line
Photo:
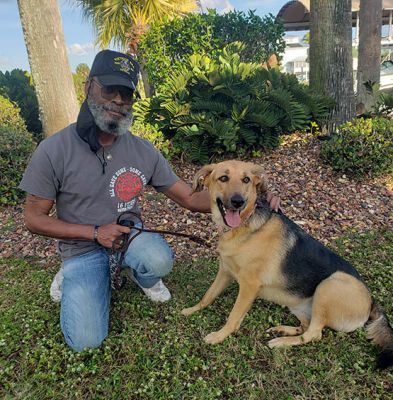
[(324, 203)]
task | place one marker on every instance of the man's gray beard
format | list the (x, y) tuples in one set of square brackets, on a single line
[(115, 127)]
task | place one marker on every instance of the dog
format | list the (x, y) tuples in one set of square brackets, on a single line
[(273, 258)]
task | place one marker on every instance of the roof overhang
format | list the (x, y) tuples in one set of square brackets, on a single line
[(295, 14)]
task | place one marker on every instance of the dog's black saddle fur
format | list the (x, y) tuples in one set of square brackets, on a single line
[(307, 262)]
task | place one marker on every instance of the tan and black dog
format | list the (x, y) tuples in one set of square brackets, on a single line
[(272, 258)]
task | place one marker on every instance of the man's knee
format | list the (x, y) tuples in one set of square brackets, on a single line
[(84, 338), (161, 266), (155, 261), (85, 342)]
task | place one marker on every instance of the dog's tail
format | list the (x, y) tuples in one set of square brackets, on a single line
[(381, 333)]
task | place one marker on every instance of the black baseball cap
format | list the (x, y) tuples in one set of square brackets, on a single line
[(114, 68)]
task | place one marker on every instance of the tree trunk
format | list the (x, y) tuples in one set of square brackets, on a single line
[(331, 57), (149, 91), (44, 38), (369, 64)]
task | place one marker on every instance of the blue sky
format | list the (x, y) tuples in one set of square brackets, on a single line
[(79, 34)]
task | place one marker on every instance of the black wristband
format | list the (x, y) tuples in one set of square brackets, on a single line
[(95, 234)]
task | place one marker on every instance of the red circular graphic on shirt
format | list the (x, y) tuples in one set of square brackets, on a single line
[(127, 186)]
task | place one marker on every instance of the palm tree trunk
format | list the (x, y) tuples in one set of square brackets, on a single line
[(44, 38), (149, 90), (369, 64), (331, 57)]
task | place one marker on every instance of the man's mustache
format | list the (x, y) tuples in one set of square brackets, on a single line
[(121, 110)]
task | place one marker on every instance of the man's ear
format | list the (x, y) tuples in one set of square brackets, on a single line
[(259, 179), (200, 178)]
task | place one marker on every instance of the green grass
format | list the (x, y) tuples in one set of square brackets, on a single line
[(153, 352)]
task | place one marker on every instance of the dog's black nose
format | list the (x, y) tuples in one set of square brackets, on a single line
[(237, 201)]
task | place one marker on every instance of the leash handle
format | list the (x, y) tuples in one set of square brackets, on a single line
[(126, 219), (120, 245)]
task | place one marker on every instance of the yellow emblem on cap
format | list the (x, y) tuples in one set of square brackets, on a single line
[(125, 64)]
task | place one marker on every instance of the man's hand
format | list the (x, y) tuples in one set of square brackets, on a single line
[(274, 201), (108, 234)]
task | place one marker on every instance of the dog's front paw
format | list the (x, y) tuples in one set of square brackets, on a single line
[(277, 342), (189, 310), (214, 337), (285, 341)]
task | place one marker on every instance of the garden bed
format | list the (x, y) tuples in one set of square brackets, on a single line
[(322, 202)]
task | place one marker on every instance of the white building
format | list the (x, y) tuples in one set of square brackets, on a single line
[(295, 58), (295, 61)]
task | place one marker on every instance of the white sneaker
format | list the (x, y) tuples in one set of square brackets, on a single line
[(55, 287), (157, 293)]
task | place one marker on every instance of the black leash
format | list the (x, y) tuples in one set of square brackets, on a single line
[(120, 246)]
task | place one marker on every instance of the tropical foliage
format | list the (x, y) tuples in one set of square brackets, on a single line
[(152, 134), (211, 108), (364, 146), (169, 43), (122, 22)]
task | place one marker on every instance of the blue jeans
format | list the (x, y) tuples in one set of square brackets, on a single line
[(86, 293)]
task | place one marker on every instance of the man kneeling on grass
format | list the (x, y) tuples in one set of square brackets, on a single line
[(95, 170)]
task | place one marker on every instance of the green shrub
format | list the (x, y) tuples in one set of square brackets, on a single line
[(16, 146), (229, 107), (364, 146), (169, 43), (17, 85), (10, 115), (154, 136)]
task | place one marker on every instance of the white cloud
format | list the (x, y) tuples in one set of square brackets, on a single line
[(81, 49), (222, 6)]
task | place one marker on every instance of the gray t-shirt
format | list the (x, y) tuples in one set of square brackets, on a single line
[(64, 169)]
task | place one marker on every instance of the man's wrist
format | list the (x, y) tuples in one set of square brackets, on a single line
[(95, 233)]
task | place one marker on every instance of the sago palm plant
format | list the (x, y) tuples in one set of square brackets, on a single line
[(229, 107)]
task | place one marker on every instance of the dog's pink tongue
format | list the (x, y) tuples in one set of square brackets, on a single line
[(232, 218)]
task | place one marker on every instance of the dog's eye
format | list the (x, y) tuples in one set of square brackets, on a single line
[(246, 179), (223, 178)]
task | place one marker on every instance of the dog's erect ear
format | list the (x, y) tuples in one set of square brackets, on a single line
[(260, 180), (200, 178)]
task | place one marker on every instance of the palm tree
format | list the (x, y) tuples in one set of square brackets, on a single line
[(331, 56), (369, 64), (123, 22), (44, 38)]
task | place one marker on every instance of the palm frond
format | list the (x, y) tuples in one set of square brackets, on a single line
[(215, 106), (113, 20), (248, 135)]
